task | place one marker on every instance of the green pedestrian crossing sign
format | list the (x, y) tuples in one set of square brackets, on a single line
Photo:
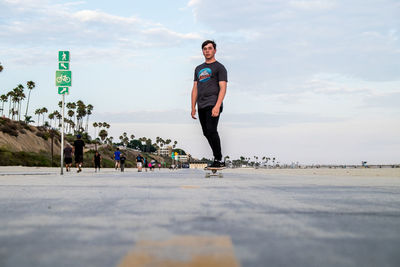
[(63, 56), (63, 66), (63, 78), (63, 90)]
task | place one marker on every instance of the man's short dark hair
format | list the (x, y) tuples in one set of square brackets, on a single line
[(209, 42)]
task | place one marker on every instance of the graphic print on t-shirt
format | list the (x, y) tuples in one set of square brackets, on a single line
[(204, 74)]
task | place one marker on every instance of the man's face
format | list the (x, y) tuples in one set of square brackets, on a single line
[(209, 51)]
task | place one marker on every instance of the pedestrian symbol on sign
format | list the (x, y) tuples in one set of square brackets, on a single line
[(63, 56)]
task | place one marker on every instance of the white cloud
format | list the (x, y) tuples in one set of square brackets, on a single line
[(280, 39), (41, 22), (313, 4), (98, 16)]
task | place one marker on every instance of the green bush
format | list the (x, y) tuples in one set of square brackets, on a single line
[(9, 129), (42, 159), (44, 135)]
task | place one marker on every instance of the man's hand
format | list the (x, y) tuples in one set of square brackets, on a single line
[(215, 111), (194, 113)]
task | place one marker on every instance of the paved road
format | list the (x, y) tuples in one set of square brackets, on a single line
[(243, 219)]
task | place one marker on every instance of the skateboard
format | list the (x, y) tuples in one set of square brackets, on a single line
[(212, 171)]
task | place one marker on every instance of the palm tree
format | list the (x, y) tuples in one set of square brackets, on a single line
[(175, 143), (30, 85), (162, 142), (21, 96), (1, 67), (81, 113), (3, 99), (103, 134), (132, 136), (51, 117), (28, 119), (44, 111), (14, 99), (72, 106), (59, 117), (70, 115), (10, 96), (95, 125), (38, 112), (60, 105), (71, 125), (89, 109)]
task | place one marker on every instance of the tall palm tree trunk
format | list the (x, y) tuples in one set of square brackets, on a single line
[(27, 104)]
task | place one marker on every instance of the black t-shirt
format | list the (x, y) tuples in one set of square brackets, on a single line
[(79, 145), (97, 158), (122, 159), (68, 152), (139, 159), (208, 77)]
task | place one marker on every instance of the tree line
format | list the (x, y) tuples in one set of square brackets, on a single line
[(76, 119)]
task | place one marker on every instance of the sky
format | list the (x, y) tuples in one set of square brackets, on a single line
[(314, 82)]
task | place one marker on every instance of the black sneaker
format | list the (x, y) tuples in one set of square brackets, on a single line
[(217, 164)]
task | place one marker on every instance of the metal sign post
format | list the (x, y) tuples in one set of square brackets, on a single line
[(63, 82), (62, 136)]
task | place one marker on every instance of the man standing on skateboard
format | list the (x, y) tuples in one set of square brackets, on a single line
[(209, 89)]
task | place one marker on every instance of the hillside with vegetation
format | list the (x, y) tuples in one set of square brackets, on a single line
[(27, 145)]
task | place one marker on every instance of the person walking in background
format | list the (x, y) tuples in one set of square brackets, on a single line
[(122, 162), (117, 155), (97, 161), (68, 157), (208, 92), (139, 162), (145, 163), (78, 152)]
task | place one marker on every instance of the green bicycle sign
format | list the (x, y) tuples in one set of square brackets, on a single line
[(63, 78)]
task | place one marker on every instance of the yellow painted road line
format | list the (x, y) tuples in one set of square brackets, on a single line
[(183, 251)]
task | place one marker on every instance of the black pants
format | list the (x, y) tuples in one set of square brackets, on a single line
[(209, 125)]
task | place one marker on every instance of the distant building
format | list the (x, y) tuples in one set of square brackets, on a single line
[(165, 151), (198, 164), (182, 158)]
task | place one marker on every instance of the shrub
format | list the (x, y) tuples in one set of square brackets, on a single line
[(8, 129), (8, 158), (44, 135)]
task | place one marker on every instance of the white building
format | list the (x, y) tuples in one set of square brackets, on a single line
[(165, 151), (182, 158)]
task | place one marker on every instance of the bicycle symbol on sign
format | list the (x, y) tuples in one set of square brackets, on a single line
[(63, 78)]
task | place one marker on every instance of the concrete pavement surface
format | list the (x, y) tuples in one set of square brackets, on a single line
[(180, 218)]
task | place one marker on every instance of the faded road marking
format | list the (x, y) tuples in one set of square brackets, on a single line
[(183, 251), (189, 186)]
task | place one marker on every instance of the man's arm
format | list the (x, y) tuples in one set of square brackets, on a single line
[(194, 99), (221, 96)]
